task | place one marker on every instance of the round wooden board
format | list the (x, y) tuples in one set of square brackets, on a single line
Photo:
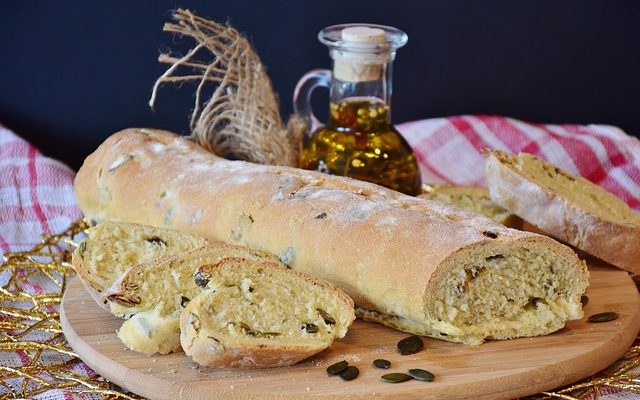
[(495, 370)]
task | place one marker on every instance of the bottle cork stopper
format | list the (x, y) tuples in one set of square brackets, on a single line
[(358, 66), (362, 34)]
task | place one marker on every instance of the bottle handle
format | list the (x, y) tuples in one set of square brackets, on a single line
[(302, 95)]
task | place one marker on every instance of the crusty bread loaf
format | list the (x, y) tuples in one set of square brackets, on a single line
[(416, 264), (565, 206), (152, 295), (258, 314), (472, 198)]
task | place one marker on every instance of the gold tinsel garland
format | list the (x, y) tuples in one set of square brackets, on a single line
[(32, 283)]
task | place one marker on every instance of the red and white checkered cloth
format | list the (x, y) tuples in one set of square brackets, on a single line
[(449, 150), (36, 192)]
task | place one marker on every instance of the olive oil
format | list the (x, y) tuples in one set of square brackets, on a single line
[(358, 141)]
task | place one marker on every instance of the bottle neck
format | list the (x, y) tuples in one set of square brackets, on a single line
[(362, 81)]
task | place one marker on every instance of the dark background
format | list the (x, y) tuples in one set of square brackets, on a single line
[(73, 72)]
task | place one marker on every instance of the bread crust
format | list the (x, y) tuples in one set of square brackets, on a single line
[(556, 215), (381, 247)]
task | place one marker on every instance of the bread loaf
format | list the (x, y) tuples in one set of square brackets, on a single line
[(473, 198), (565, 206), (419, 265), (258, 314)]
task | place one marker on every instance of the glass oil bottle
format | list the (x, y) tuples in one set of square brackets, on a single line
[(358, 140)]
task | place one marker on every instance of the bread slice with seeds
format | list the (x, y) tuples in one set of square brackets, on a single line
[(258, 314), (151, 295), (110, 248), (565, 206), (472, 198)]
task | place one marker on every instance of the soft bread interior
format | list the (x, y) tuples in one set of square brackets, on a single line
[(476, 199), (250, 301), (497, 292), (167, 284), (151, 296), (585, 194), (148, 332), (261, 314), (111, 248)]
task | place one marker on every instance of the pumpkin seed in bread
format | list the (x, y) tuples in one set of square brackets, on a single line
[(567, 207), (258, 314)]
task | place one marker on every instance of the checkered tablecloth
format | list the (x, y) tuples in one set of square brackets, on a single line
[(449, 150), (36, 192)]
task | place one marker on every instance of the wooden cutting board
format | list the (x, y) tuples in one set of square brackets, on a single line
[(495, 370)]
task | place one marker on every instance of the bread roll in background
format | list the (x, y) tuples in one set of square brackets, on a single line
[(414, 264), (567, 207)]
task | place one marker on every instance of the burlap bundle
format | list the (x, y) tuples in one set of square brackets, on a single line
[(241, 118)]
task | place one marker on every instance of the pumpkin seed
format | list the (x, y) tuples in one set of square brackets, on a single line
[(491, 235), (335, 369), (604, 317), (421, 375), (202, 279), (156, 240), (123, 300), (381, 363), (584, 300), (328, 319), (311, 328), (349, 373), (410, 345), (396, 377)]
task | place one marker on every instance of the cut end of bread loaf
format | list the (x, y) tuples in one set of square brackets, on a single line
[(498, 291), (110, 248), (261, 314), (472, 198), (566, 207)]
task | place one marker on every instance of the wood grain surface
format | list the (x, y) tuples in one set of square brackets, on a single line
[(494, 370)]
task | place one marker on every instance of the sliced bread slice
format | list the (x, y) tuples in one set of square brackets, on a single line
[(110, 248), (258, 314), (472, 198), (151, 295), (567, 207)]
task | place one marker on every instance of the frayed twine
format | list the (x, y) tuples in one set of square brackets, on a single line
[(241, 119)]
